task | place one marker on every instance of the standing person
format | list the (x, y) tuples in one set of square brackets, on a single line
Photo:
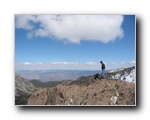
[(103, 69)]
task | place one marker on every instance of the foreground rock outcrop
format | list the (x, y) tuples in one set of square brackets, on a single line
[(86, 91)]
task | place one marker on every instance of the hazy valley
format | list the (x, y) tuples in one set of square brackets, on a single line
[(54, 75)]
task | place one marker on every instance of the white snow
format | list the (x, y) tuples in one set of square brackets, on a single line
[(117, 76), (114, 100), (129, 77), (116, 70)]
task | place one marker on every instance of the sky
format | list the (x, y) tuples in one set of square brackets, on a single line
[(74, 42)]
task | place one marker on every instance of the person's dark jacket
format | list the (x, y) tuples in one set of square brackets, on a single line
[(103, 66)]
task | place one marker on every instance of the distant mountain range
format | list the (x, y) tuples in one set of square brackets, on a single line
[(54, 75)]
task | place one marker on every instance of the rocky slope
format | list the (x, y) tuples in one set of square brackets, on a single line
[(23, 89), (125, 74), (86, 91), (39, 84)]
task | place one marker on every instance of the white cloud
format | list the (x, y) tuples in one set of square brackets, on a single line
[(132, 62), (64, 63), (25, 22), (38, 63), (73, 28), (27, 63), (72, 65), (57, 65), (91, 63)]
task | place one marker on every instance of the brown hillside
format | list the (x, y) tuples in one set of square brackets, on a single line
[(101, 92)]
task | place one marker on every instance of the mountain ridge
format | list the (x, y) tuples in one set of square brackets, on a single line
[(85, 90), (101, 92), (23, 90)]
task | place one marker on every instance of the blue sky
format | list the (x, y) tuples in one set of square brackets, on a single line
[(74, 41)]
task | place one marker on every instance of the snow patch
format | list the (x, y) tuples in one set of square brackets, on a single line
[(125, 74), (129, 77)]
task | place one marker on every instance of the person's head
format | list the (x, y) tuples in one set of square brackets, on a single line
[(101, 62)]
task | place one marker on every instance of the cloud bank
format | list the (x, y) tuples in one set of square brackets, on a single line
[(72, 28), (71, 65)]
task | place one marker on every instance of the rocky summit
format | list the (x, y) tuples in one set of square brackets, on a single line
[(86, 91)]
